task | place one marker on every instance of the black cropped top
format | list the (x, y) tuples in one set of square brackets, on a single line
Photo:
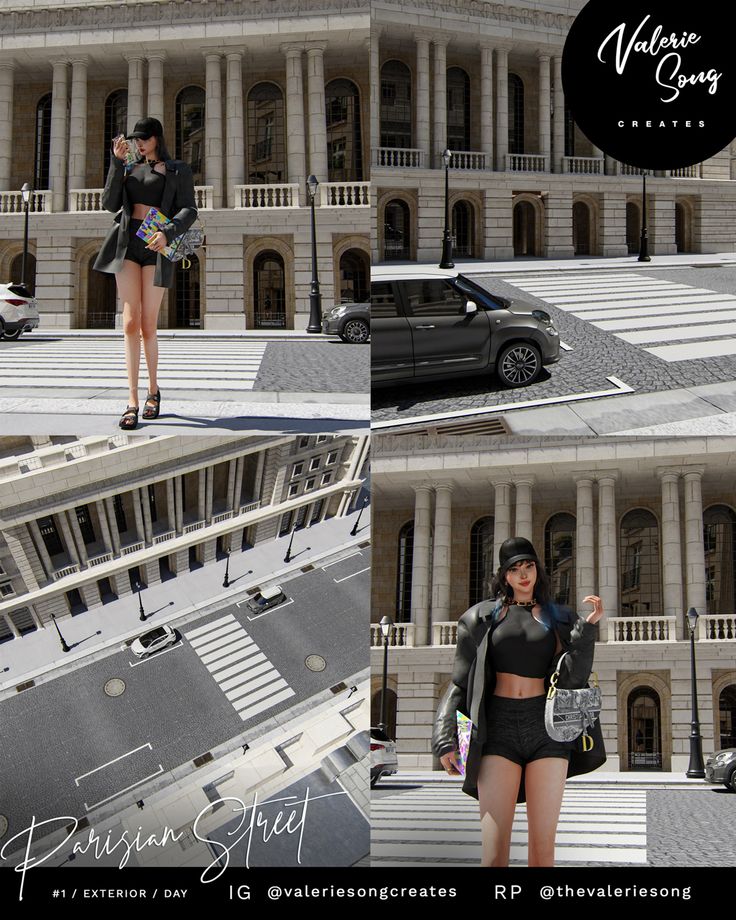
[(522, 645), (145, 185)]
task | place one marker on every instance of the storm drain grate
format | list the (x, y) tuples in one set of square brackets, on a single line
[(315, 662), (307, 568), (81, 825), (25, 686), (338, 688), (251, 591), (363, 545), (115, 687), (203, 759)]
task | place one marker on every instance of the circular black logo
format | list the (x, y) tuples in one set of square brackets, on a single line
[(652, 83)]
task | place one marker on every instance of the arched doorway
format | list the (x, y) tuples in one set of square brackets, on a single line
[(404, 572), (184, 302), (354, 275), (269, 291), (641, 593), (719, 543), (266, 135), (727, 720), (190, 129), (458, 109), (644, 730), (559, 557), (633, 227), (391, 707), (344, 144), (463, 229), (101, 299), (516, 114), (16, 270), (683, 227), (396, 226), (525, 229), (481, 559), (581, 227), (396, 114)]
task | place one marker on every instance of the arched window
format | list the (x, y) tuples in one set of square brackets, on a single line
[(569, 132), (719, 539), (190, 139), (116, 122), (525, 229), (581, 228), (516, 114), (396, 238), (185, 298), (16, 270), (42, 154), (727, 714), (633, 227), (644, 729), (395, 105), (481, 560), (458, 109), (269, 290), (344, 146), (101, 299), (559, 557), (403, 578), (463, 229), (641, 594), (391, 705), (354, 272), (266, 135)]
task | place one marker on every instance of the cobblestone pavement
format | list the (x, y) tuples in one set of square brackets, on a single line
[(596, 355), (691, 828), (315, 367)]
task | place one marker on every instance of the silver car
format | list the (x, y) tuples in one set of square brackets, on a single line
[(18, 311), (720, 768)]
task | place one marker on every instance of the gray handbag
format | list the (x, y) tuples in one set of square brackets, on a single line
[(571, 713)]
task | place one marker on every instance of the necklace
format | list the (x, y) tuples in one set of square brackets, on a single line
[(530, 604)]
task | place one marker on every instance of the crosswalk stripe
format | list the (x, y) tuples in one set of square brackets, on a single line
[(647, 312), (243, 672)]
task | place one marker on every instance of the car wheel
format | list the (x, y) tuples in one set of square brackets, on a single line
[(374, 779), (519, 364), (355, 332), (731, 784), (12, 335)]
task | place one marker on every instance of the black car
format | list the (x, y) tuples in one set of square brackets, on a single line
[(351, 321), (720, 768), (432, 326)]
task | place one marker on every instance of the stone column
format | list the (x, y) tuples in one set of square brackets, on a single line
[(584, 542), (612, 239), (11, 626), (420, 586), (442, 553), (238, 491), (213, 127), (114, 532), (375, 87), (545, 145), (68, 538), (607, 551), (147, 522), (501, 518), (440, 101), (59, 129), (230, 499), (486, 103), (317, 113), (672, 549), (559, 114), (236, 153), (179, 505), (296, 160), (78, 126), (202, 493), (41, 548), (104, 526), (502, 107), (7, 69), (155, 107), (694, 548), (524, 508), (140, 530), (210, 479), (135, 89), (170, 505), (422, 103)]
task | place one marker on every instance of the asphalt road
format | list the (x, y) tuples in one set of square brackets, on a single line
[(67, 747)]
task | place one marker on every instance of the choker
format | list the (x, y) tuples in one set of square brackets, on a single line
[(529, 604), (153, 163)]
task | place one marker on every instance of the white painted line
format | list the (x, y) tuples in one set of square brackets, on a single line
[(565, 347), (260, 694), (202, 641), (684, 303), (240, 656), (342, 559), (217, 643), (695, 350), (155, 655), (644, 313), (271, 679), (260, 616), (618, 389), (672, 335), (338, 580), (203, 629), (127, 789), (247, 673), (638, 323), (115, 760), (266, 704), (220, 653)]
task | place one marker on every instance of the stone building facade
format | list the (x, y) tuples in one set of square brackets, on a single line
[(484, 80), (256, 96), (649, 525), (83, 520)]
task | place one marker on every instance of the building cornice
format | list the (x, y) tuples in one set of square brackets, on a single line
[(498, 12)]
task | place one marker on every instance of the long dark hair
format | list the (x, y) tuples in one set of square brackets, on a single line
[(500, 588)]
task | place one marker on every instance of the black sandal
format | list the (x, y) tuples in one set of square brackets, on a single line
[(129, 419), (152, 406)]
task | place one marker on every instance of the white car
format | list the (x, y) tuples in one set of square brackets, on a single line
[(18, 311), (153, 641), (267, 598), (384, 761)]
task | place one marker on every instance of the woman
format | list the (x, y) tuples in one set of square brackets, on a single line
[(507, 651), (141, 271)]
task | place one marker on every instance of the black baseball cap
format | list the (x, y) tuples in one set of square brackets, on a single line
[(146, 128), (513, 550)]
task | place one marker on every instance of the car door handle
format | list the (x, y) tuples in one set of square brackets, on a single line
[(498, 322), (424, 327)]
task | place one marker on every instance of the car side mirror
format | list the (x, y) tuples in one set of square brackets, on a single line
[(471, 306)]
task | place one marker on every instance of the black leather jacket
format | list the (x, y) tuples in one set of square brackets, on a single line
[(178, 200), (469, 685)]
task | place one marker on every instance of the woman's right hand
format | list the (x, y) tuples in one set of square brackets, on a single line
[(120, 147), (451, 762)]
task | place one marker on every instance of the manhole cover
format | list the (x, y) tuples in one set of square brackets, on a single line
[(3, 825), (315, 662), (115, 687)]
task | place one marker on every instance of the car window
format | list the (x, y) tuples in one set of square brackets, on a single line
[(480, 296), (434, 297), (383, 302)]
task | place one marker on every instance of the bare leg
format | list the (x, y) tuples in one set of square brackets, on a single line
[(129, 290), (498, 786), (545, 785), (151, 304)]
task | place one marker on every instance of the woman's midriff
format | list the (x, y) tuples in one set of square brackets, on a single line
[(518, 688), (140, 211)]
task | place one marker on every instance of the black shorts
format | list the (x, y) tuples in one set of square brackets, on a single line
[(515, 730), (136, 251)]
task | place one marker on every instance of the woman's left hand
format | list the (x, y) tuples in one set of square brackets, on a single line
[(158, 242), (597, 608)]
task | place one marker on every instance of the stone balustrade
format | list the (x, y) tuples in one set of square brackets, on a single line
[(642, 629), (466, 159), (716, 628), (444, 633), (251, 506), (204, 196), (583, 166), (345, 194), (223, 516), (402, 636), (67, 570), (397, 158), (686, 172), (132, 548), (85, 199), (12, 202), (267, 196), (197, 525), (163, 537), (526, 162)]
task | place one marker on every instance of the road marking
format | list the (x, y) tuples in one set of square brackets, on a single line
[(341, 559), (338, 580), (115, 760), (209, 626), (123, 791), (138, 663)]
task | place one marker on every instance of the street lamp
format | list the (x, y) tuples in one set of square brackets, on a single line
[(315, 298), (446, 237), (387, 625), (142, 614), (64, 646), (695, 768), (26, 193), (357, 521), (226, 581), (287, 557), (644, 241)]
